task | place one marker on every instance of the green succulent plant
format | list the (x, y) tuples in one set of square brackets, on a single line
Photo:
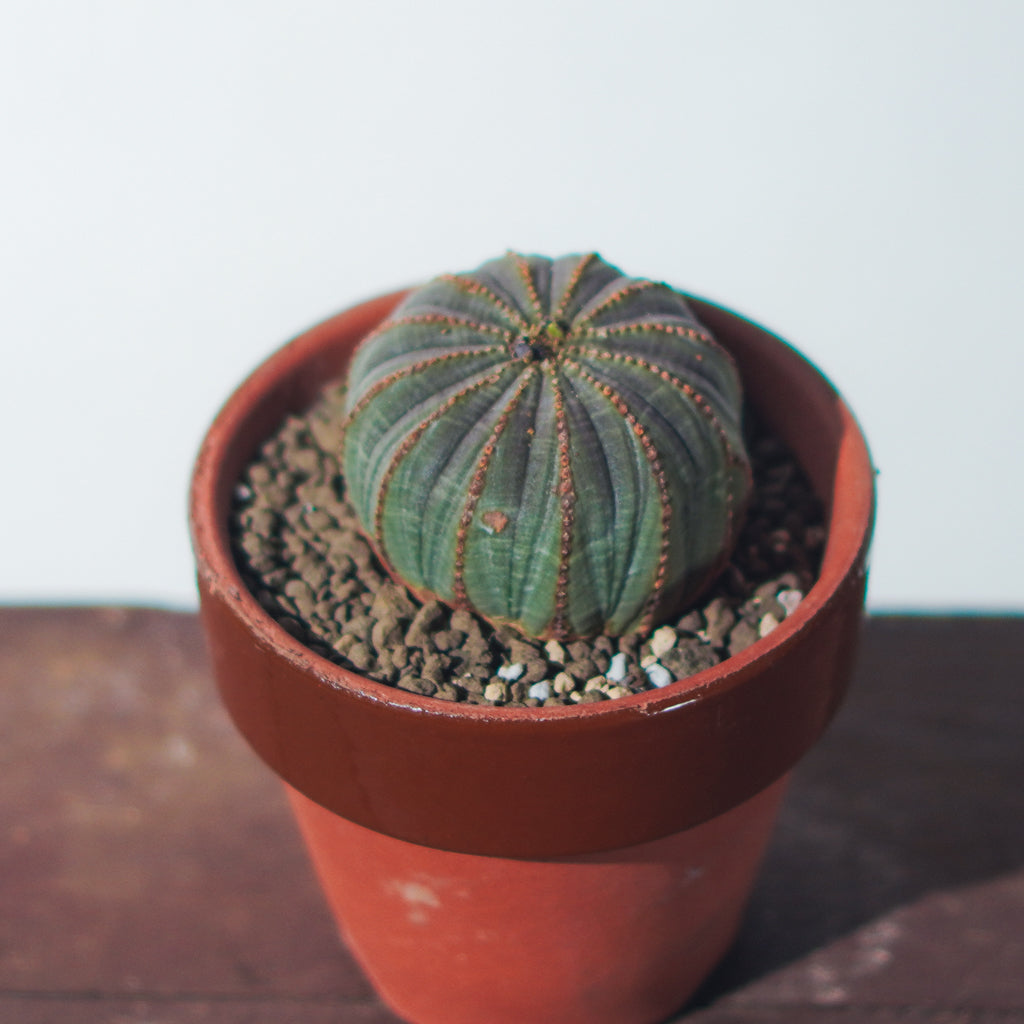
[(548, 443)]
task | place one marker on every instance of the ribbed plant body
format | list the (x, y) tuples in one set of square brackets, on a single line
[(548, 443)]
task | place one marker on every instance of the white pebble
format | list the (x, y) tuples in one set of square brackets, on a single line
[(614, 692), (658, 675), (662, 641), (596, 683), (617, 669), (555, 652), (541, 690), (496, 692), (790, 600), (768, 623), (647, 661), (512, 672), (564, 683)]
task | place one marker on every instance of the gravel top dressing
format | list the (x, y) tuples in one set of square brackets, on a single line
[(301, 553)]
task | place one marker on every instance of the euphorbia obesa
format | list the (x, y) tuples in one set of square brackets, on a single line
[(548, 443)]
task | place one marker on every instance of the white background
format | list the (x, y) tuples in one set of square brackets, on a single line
[(183, 186)]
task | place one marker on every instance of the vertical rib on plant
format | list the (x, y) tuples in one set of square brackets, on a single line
[(549, 443)]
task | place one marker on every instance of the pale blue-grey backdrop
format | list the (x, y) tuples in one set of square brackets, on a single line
[(186, 185)]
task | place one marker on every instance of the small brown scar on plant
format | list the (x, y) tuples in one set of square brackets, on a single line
[(494, 521)]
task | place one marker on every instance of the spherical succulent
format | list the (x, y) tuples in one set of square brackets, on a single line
[(549, 443)]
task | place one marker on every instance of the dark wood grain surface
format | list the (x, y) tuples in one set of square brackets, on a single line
[(150, 873)]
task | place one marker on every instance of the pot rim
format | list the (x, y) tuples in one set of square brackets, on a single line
[(849, 535)]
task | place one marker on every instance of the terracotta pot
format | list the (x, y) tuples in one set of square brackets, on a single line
[(570, 864)]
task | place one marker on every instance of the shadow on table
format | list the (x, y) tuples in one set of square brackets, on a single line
[(915, 788)]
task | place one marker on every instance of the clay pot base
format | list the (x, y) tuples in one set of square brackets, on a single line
[(621, 937), (298, 544)]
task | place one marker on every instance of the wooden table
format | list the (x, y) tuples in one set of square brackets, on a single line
[(150, 874)]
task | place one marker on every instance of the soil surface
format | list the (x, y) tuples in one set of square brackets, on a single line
[(300, 550)]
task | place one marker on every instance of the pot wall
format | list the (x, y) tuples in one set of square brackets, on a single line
[(621, 937)]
